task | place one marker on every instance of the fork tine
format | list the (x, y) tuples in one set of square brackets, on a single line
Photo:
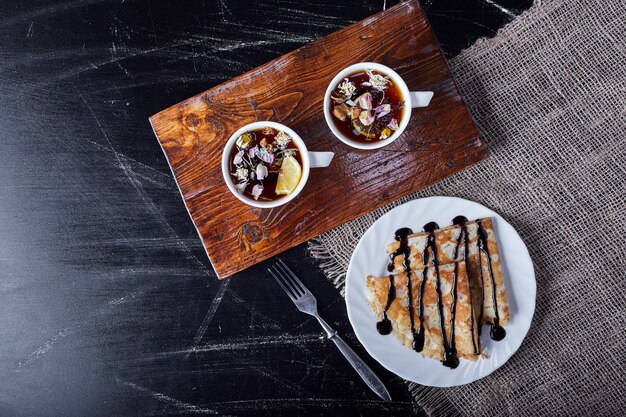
[(295, 283), (297, 291), (294, 276), (283, 286)]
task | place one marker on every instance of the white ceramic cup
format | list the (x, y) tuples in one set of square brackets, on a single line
[(309, 160), (412, 99)]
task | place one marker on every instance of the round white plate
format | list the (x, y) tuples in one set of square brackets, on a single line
[(369, 258)]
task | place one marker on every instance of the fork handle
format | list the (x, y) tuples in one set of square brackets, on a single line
[(364, 371)]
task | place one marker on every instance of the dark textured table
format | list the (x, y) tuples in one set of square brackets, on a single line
[(109, 306)]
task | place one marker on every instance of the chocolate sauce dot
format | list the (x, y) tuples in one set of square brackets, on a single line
[(418, 341), (497, 333), (459, 220), (403, 234), (384, 326), (449, 359), (431, 227)]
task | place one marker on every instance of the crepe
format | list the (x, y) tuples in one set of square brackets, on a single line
[(465, 339), (483, 262)]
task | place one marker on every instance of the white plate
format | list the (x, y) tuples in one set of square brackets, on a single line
[(369, 258)]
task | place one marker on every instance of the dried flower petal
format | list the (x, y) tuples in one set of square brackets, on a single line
[(354, 112), (337, 97), (244, 140), (265, 156), (341, 112), (382, 110), (238, 159), (393, 124), (385, 133), (282, 140), (253, 152), (241, 173), (366, 117), (267, 130), (256, 191), (347, 88), (261, 171), (288, 153), (377, 81), (365, 101), (241, 186)]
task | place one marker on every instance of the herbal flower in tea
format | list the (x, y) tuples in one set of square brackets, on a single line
[(265, 164), (366, 106)]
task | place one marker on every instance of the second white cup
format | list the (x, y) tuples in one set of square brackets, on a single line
[(412, 99)]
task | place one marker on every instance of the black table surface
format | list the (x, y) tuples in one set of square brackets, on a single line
[(108, 303)]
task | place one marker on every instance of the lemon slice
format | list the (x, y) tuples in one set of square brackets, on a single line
[(288, 176)]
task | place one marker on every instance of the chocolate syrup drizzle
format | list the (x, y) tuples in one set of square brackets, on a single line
[(449, 353), (402, 236), (384, 326), (497, 332), (464, 236), (419, 337)]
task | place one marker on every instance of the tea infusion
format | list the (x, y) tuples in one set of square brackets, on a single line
[(265, 164), (366, 106)]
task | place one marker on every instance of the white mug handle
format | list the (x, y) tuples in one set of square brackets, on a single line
[(420, 98), (320, 159)]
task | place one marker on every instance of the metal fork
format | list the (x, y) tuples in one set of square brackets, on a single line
[(306, 303)]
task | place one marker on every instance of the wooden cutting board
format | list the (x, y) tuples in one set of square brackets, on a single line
[(439, 141)]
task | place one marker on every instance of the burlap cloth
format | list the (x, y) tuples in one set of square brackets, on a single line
[(548, 94)]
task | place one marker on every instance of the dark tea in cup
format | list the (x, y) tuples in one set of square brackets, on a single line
[(366, 106)]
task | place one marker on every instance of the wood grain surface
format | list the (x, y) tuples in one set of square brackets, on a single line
[(439, 141)]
